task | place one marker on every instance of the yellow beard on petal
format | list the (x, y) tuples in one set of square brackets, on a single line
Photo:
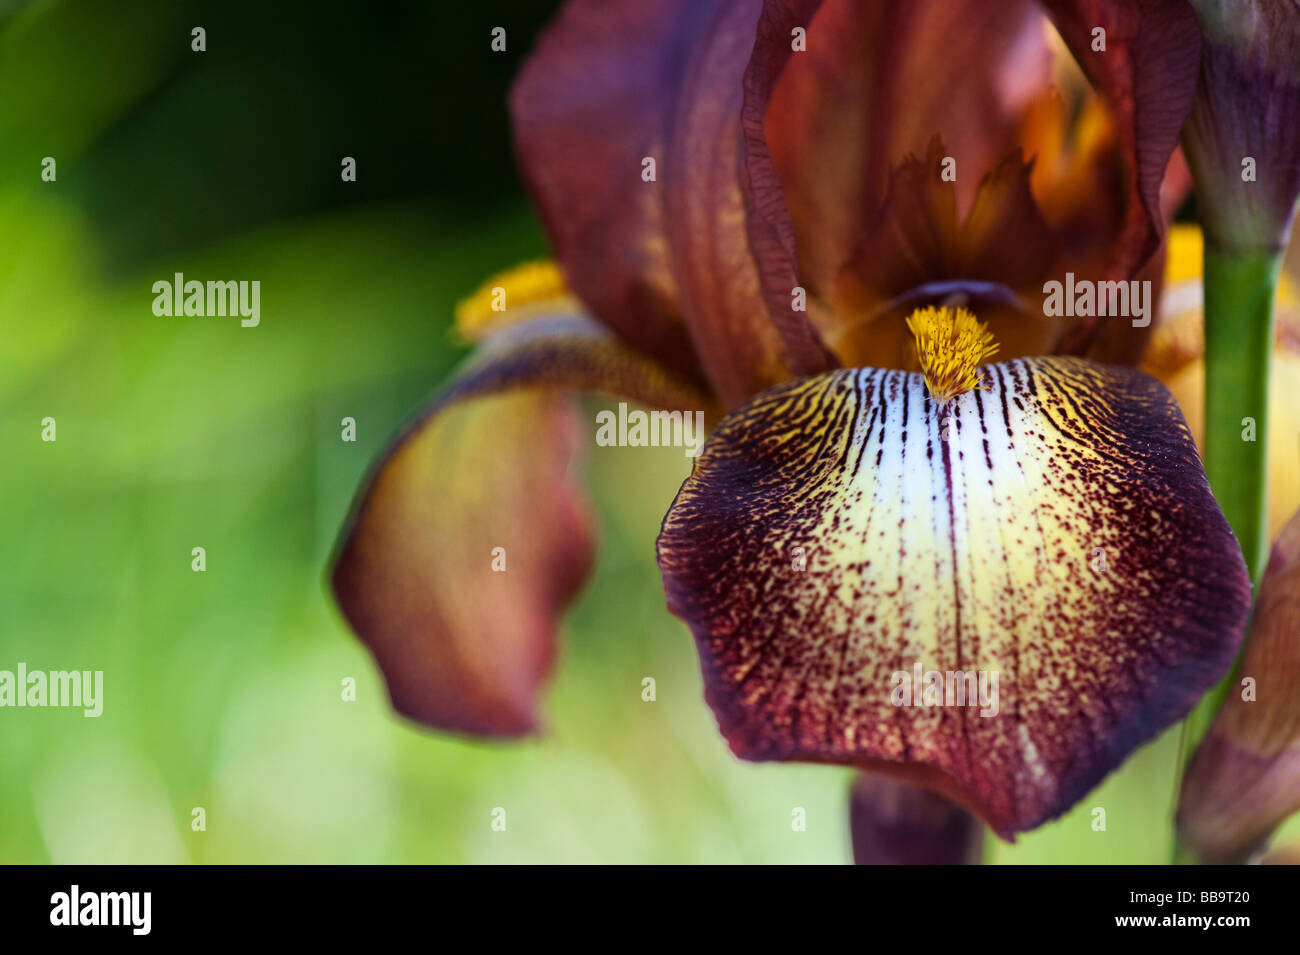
[(510, 297), (951, 344)]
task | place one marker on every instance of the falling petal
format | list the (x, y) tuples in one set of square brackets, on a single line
[(1050, 540), (471, 536)]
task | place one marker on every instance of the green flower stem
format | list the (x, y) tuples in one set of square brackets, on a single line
[(1239, 294)]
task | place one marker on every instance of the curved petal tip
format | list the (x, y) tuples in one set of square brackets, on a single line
[(467, 545)]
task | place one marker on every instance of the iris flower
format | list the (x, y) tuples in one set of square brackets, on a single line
[(818, 222)]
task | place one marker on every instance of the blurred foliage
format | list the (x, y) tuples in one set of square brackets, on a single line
[(222, 689)]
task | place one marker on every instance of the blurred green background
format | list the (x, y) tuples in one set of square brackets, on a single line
[(222, 689)]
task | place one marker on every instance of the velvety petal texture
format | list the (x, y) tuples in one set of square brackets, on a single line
[(1244, 780), (1047, 550), (897, 823), (471, 535)]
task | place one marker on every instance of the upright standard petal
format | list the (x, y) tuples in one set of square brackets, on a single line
[(743, 350), (1145, 62), (590, 103), (660, 254), (897, 823), (998, 599), (470, 537), (825, 124), (915, 248), (1244, 780)]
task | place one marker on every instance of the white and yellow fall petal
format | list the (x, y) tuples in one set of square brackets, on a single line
[(1048, 538)]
